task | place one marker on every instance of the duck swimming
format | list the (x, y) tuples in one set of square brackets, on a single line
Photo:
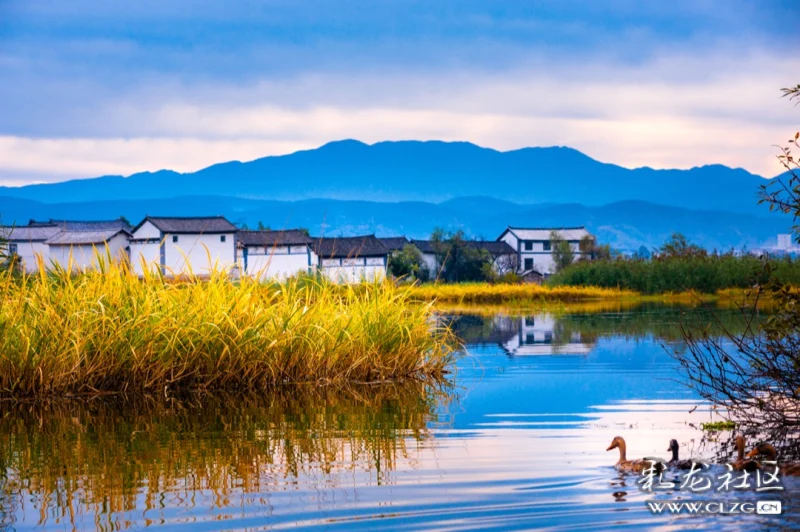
[(631, 466), (767, 450), (675, 462), (742, 464)]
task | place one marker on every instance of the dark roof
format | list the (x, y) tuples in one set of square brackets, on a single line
[(190, 225), (273, 238), (84, 225), (38, 233), (68, 238), (425, 246), (351, 246), (394, 243), (495, 249)]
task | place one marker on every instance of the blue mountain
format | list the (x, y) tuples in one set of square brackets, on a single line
[(425, 171)]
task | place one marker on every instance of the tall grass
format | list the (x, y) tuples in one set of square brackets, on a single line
[(511, 294), (703, 273), (110, 331)]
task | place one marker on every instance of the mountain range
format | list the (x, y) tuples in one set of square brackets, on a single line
[(410, 187)]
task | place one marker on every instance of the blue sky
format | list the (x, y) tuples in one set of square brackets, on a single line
[(93, 87)]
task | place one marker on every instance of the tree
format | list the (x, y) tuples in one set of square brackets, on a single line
[(562, 252), (678, 245), (262, 227), (591, 250), (459, 260), (408, 263), (126, 221), (755, 375)]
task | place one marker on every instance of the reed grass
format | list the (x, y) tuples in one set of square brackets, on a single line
[(514, 294), (109, 331)]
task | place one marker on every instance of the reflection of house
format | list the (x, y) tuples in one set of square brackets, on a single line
[(178, 245), (536, 335), (275, 254), (351, 259), (534, 249)]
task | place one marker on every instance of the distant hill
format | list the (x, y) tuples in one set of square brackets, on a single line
[(624, 224), (426, 171)]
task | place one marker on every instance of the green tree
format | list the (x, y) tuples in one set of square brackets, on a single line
[(459, 259), (678, 245), (262, 227), (408, 263), (755, 375), (562, 252), (591, 250)]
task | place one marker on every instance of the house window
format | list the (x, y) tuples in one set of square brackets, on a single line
[(222, 238), (528, 246), (546, 245), (530, 321), (174, 239), (529, 339), (528, 264), (12, 249)]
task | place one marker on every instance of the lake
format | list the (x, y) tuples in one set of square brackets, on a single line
[(517, 440)]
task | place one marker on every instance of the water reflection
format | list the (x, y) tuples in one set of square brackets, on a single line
[(518, 443)]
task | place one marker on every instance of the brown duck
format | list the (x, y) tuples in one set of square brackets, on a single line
[(631, 466), (742, 464), (765, 449), (675, 462)]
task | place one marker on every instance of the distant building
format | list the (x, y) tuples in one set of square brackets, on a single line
[(81, 250), (534, 248), (275, 254), (394, 243), (351, 259), (28, 243), (180, 245), (785, 242), (502, 255), (84, 225)]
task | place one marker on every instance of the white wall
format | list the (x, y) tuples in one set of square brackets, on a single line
[(84, 256), (27, 252), (191, 252), (150, 251), (147, 230), (354, 270), (432, 264), (276, 262)]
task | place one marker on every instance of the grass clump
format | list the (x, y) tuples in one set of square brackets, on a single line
[(513, 294), (716, 426), (110, 331)]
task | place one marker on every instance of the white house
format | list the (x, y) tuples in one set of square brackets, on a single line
[(29, 242), (179, 245), (503, 256), (351, 259), (275, 254), (79, 250), (534, 249), (84, 225)]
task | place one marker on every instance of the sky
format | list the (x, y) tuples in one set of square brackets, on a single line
[(96, 87)]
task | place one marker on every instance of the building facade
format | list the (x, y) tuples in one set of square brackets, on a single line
[(84, 250), (534, 247), (275, 254), (351, 259)]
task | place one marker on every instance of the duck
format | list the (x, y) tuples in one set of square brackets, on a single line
[(742, 464), (791, 469), (675, 462), (631, 466)]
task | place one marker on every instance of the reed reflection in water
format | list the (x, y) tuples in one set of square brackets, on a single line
[(105, 465)]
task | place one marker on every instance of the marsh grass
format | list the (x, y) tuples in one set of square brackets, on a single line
[(109, 331), (513, 294)]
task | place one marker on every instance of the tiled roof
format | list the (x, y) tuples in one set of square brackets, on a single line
[(425, 246), (68, 238), (84, 225), (352, 246), (273, 238), (393, 243), (543, 233), (38, 233), (191, 225)]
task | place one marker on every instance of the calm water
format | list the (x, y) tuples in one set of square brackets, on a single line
[(517, 443)]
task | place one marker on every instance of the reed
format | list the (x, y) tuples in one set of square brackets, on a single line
[(513, 294), (108, 331)]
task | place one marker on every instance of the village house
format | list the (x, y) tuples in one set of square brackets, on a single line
[(82, 250), (351, 259), (84, 225), (28, 243), (534, 248), (180, 245), (503, 256), (275, 254), (394, 243)]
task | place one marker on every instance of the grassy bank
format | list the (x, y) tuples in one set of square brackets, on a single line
[(111, 332), (707, 274), (513, 294)]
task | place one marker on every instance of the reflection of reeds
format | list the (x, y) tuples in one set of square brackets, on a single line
[(108, 331), (79, 459)]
